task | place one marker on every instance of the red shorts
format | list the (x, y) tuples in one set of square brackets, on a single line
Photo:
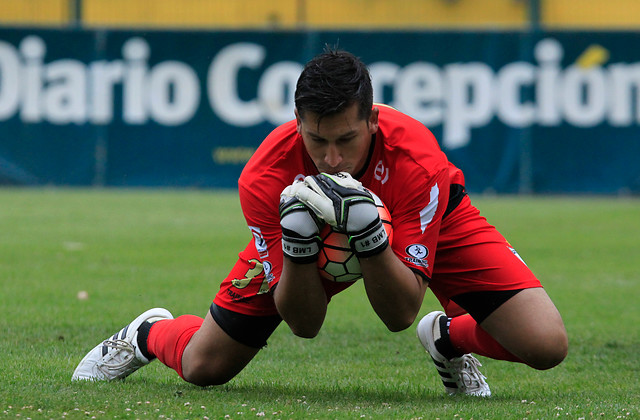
[(246, 288), (472, 256)]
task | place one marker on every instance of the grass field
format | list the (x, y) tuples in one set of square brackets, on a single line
[(133, 250)]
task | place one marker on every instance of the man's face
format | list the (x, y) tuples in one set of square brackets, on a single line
[(340, 143)]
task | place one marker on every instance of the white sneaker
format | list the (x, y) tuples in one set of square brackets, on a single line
[(118, 357), (460, 375)]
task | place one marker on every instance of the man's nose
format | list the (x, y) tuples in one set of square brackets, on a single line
[(332, 156)]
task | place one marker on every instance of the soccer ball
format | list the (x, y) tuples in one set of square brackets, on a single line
[(336, 261)]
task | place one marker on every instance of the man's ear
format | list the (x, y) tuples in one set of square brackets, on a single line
[(373, 120), (298, 121)]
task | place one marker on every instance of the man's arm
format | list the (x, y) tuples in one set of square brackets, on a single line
[(394, 291), (300, 298)]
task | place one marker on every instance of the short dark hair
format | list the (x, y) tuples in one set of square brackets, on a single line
[(333, 81)]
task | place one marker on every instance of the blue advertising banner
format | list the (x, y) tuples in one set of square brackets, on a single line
[(558, 113)]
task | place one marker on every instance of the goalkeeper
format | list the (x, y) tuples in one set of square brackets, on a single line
[(310, 172)]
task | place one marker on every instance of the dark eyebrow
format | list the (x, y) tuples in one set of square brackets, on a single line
[(346, 135)]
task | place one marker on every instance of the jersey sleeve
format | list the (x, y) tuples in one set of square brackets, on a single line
[(416, 220)]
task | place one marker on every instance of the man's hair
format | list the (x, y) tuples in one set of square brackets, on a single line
[(332, 82)]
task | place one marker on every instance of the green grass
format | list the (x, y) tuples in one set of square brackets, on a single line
[(136, 249)]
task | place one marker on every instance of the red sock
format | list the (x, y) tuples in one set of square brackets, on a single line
[(467, 337), (168, 339)]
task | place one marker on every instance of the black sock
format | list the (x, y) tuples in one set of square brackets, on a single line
[(143, 334), (443, 344)]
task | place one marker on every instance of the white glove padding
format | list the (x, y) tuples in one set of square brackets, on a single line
[(300, 228), (346, 205)]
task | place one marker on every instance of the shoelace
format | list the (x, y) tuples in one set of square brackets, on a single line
[(120, 346), (470, 376)]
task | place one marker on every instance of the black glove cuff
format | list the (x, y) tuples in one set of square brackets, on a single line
[(300, 250), (371, 241)]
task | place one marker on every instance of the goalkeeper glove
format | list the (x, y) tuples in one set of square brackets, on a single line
[(300, 227), (346, 205)]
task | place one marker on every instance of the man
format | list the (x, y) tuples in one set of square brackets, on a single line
[(308, 172)]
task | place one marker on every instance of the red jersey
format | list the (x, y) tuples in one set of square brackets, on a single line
[(406, 169), (412, 176)]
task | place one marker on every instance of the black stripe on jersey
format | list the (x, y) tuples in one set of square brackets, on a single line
[(456, 194)]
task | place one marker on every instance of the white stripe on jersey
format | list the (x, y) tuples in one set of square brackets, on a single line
[(427, 213)]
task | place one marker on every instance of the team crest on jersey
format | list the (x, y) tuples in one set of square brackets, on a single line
[(381, 173), (417, 254), (268, 275), (261, 243)]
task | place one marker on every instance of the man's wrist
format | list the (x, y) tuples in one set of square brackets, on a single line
[(371, 241), (300, 250)]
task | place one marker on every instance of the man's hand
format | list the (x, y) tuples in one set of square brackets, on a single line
[(300, 227), (345, 204)]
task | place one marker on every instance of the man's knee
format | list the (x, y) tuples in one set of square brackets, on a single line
[(205, 373), (212, 357), (548, 351)]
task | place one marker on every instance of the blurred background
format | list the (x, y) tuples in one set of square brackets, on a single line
[(528, 97)]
